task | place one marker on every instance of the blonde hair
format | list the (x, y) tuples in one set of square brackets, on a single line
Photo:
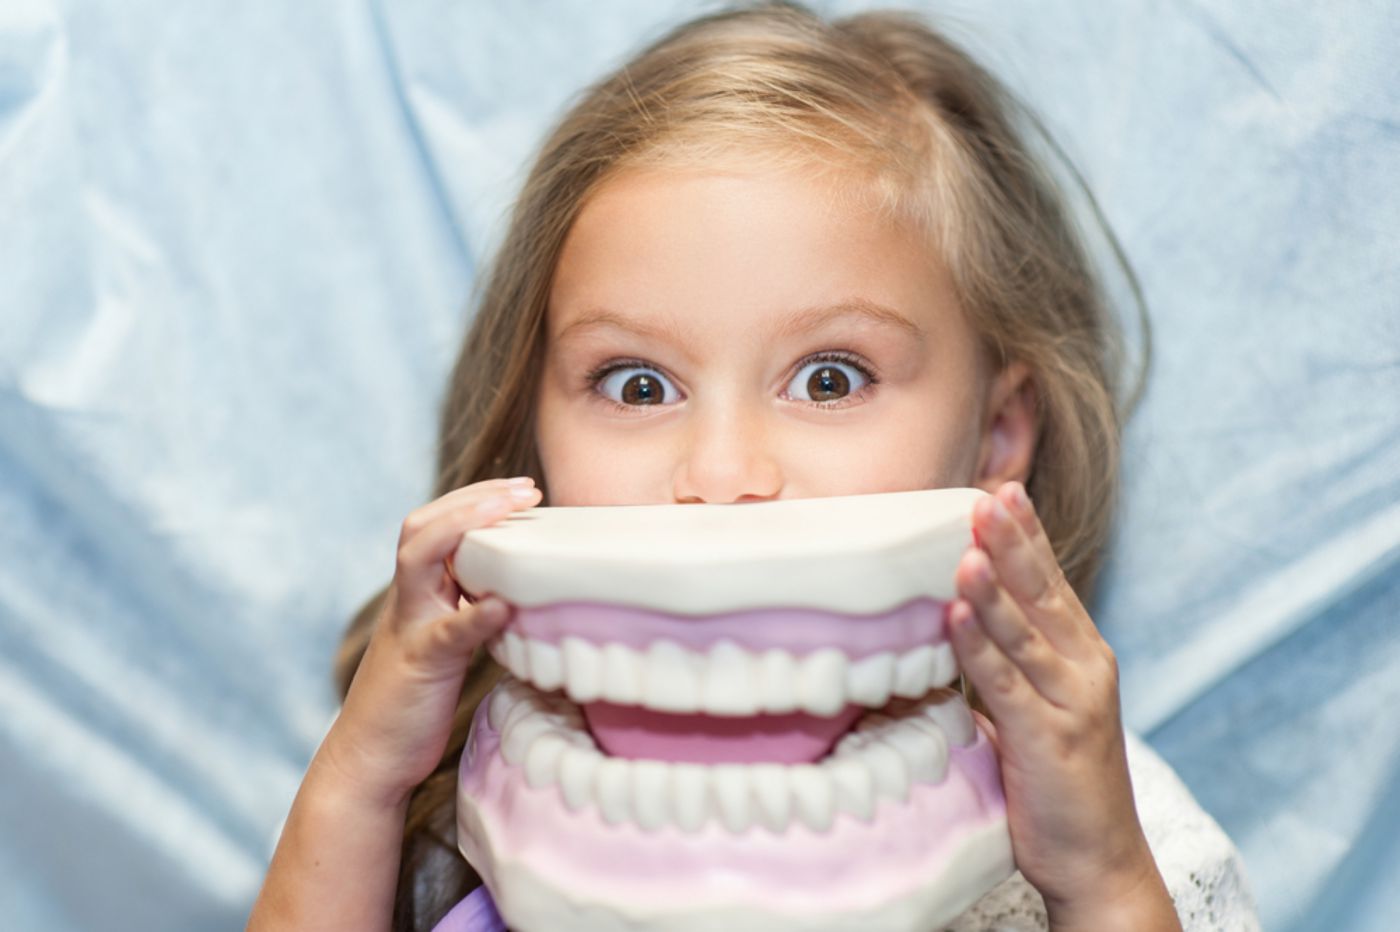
[(938, 141)]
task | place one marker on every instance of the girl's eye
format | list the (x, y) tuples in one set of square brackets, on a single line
[(827, 380), (635, 386)]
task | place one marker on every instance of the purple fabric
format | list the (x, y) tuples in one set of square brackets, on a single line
[(476, 913)]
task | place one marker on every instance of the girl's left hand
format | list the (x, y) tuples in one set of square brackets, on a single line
[(1050, 681)]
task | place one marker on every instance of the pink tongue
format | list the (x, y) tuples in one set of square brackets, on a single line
[(792, 738)]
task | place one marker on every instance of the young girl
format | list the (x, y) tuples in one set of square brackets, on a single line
[(772, 257)]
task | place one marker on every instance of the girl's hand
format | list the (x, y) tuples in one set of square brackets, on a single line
[(336, 864), (1050, 681), (398, 714)]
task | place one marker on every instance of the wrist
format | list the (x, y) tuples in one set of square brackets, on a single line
[(343, 772), (1137, 900)]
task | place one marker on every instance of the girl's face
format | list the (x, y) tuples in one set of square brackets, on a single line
[(736, 337)]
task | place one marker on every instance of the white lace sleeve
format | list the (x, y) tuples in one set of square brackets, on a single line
[(1199, 863)]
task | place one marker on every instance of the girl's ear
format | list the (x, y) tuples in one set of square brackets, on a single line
[(1010, 430)]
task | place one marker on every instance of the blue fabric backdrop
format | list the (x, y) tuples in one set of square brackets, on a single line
[(236, 243)]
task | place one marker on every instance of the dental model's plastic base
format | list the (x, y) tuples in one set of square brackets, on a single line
[(914, 867)]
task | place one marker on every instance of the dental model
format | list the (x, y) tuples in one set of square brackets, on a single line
[(724, 716)]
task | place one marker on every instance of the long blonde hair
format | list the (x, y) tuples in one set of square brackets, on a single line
[(941, 143)]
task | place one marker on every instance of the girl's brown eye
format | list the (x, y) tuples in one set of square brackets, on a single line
[(642, 390), (637, 386), (826, 380), (828, 384)]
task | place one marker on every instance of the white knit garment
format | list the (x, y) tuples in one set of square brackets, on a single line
[(1201, 867)]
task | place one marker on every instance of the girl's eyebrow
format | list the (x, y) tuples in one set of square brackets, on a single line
[(859, 309)]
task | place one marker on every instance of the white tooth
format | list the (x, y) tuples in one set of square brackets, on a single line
[(611, 788), (813, 796), (576, 769), (622, 674), (582, 670), (945, 665), (581, 737), (650, 793), (496, 647), (868, 680), (672, 678), (888, 769), (948, 710), (728, 686), (778, 681), (542, 759), (925, 753), (516, 741), (771, 796), (853, 786), (730, 785), (546, 664), (850, 743), (497, 706), (516, 661), (823, 682), (912, 671), (521, 709), (688, 796)]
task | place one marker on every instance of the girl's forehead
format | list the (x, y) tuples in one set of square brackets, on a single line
[(778, 247)]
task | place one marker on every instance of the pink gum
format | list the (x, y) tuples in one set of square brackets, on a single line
[(797, 631)]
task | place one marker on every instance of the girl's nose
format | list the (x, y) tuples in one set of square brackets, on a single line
[(727, 459)]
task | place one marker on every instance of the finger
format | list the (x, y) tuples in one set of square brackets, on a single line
[(425, 515), (1027, 578), (421, 557), (1014, 499), (1000, 684), (1045, 669), (443, 646)]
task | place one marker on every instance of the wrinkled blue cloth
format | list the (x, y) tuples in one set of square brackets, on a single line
[(236, 247)]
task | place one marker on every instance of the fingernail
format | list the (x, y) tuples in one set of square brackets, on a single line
[(963, 620), (493, 504), (492, 610), (520, 480), (522, 494), (982, 571), (999, 512)]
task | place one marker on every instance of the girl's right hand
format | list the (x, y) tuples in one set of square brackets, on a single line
[(398, 714)]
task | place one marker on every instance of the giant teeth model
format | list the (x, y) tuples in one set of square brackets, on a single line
[(729, 717)]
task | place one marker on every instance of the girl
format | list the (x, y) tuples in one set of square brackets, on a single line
[(772, 257)]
